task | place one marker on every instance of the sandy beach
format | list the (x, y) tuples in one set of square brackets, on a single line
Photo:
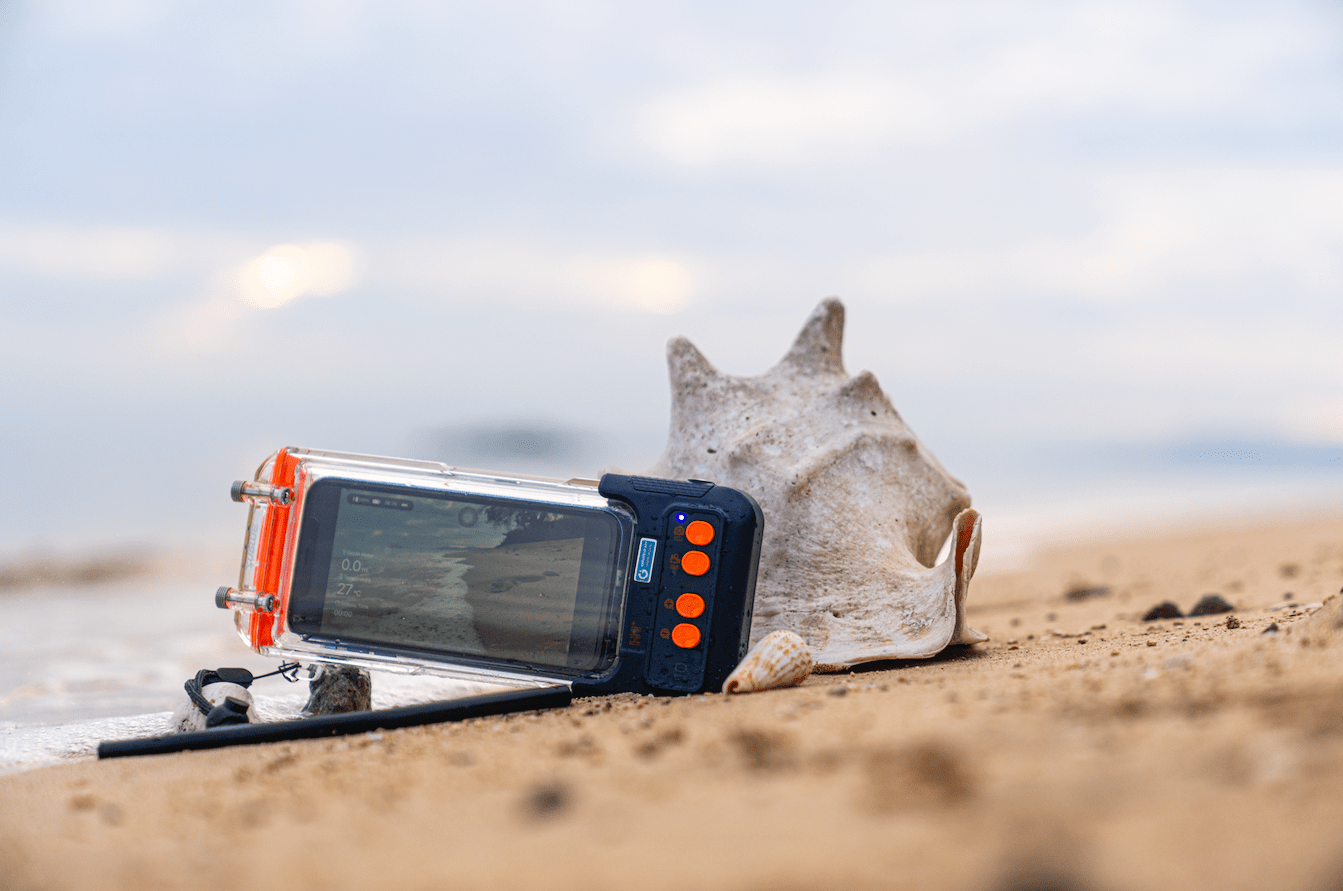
[(1080, 748)]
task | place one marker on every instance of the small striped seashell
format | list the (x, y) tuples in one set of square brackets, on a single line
[(781, 659)]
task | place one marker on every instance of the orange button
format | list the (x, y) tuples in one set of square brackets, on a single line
[(685, 636), (690, 605), (699, 533), (695, 562)]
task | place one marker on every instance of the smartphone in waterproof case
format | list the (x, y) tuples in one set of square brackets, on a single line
[(629, 584)]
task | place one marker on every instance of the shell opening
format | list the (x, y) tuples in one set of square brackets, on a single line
[(963, 540)]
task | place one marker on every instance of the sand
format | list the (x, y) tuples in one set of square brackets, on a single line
[(1080, 748)]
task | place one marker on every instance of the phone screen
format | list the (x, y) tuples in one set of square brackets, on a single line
[(457, 574)]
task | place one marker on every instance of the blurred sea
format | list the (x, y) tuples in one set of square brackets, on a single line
[(83, 664)]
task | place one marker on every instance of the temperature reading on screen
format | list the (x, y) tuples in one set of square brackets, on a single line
[(353, 566)]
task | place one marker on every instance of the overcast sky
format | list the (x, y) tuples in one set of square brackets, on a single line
[(397, 226)]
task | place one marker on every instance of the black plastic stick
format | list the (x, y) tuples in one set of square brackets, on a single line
[(340, 725)]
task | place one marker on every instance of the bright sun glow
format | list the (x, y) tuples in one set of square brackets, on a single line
[(657, 285), (287, 272)]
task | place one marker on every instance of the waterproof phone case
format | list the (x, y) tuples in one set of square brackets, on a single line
[(626, 584)]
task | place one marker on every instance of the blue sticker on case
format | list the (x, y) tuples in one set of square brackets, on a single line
[(643, 566)]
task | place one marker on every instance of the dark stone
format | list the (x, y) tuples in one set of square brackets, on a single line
[(764, 750), (1077, 594), (1045, 880), (1271, 629), (548, 800), (1210, 605), (1163, 610), (339, 689)]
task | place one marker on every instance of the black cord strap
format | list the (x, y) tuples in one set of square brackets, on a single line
[(240, 676), (195, 685), (287, 670)]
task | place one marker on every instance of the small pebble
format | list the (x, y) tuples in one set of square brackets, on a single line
[(1164, 610), (1087, 593), (1232, 622), (1211, 604), (1151, 643), (839, 691), (339, 689), (1271, 629)]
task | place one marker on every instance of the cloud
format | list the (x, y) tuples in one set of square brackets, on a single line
[(981, 76), (74, 252), (515, 272), (236, 297), (203, 328), (99, 19), (527, 273), (1241, 232), (1150, 57), (778, 122)]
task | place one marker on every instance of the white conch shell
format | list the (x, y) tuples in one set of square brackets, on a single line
[(856, 508), (781, 659), (188, 717)]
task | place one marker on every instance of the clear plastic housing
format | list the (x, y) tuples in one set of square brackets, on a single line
[(270, 547)]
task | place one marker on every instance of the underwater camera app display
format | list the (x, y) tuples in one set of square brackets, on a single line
[(411, 568)]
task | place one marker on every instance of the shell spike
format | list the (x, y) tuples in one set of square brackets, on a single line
[(864, 388), (686, 363), (691, 374), (818, 347)]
